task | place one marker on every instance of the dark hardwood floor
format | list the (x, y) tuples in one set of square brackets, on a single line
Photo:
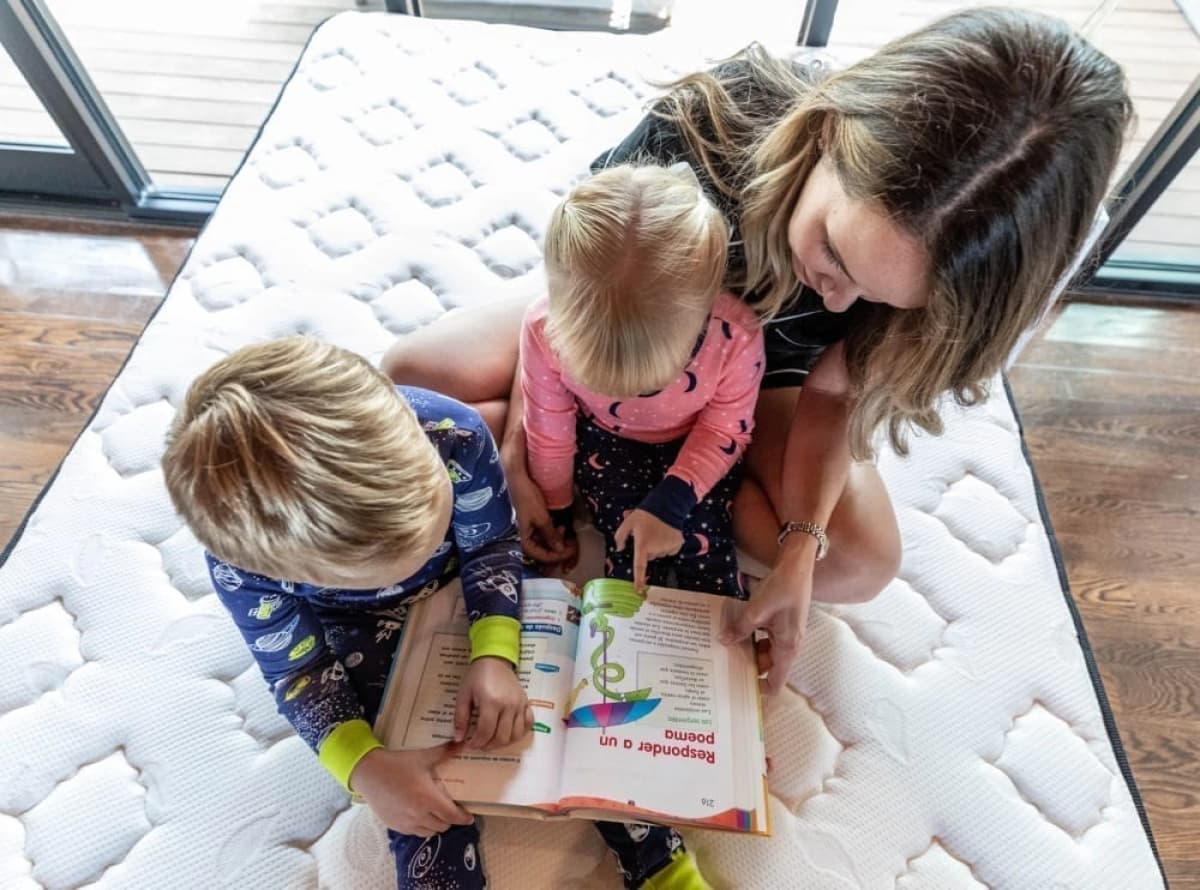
[(1109, 396), (72, 302), (1110, 399)]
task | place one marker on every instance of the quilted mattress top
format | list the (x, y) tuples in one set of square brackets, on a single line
[(946, 735)]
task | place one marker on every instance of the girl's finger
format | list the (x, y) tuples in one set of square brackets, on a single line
[(621, 535), (641, 559)]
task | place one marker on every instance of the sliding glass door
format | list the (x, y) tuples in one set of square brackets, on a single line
[(45, 146), (1153, 243)]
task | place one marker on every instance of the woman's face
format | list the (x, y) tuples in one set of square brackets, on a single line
[(846, 250)]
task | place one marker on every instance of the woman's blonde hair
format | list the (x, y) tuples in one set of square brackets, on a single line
[(635, 257), (990, 136), (295, 453)]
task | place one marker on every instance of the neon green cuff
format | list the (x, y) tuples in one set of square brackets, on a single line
[(496, 635), (343, 748), (680, 873)]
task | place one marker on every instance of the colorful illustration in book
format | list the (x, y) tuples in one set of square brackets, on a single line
[(573, 697), (603, 599)]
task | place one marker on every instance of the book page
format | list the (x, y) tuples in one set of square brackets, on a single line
[(418, 710), (651, 725)]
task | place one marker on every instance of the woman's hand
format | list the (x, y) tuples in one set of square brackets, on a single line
[(652, 539), (491, 688), (779, 605), (402, 790)]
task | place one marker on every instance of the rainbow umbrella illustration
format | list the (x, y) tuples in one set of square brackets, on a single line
[(611, 713)]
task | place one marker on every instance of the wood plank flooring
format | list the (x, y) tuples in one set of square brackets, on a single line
[(1110, 400), (1109, 396), (71, 306)]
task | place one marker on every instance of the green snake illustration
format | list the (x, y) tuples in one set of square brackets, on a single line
[(619, 599)]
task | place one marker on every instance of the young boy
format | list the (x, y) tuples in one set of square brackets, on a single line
[(328, 500)]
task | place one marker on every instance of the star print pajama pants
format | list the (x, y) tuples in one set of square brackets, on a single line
[(365, 643), (614, 475)]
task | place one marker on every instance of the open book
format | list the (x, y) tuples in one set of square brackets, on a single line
[(640, 713)]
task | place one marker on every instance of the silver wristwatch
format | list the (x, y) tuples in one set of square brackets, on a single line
[(809, 528)]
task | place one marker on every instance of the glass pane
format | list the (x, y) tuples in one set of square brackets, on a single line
[(23, 120), (191, 82), (722, 27), (1170, 232)]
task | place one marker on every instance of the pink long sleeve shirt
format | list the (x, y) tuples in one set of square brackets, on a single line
[(711, 403)]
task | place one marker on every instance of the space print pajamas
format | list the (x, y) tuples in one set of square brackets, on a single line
[(674, 453), (326, 652)]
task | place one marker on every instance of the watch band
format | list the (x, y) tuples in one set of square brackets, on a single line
[(809, 528)]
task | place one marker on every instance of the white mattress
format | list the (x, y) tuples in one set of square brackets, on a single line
[(947, 735)]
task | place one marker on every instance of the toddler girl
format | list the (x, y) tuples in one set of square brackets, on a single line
[(640, 376)]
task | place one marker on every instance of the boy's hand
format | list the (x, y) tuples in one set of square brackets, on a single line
[(492, 689), (652, 539), (405, 794)]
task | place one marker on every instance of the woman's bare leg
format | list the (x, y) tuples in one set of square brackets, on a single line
[(470, 356), (495, 414), (864, 541)]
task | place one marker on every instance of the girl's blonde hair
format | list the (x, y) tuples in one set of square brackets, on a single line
[(635, 257), (990, 136), (295, 453)]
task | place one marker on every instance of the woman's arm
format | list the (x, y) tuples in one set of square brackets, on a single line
[(816, 461), (811, 478)]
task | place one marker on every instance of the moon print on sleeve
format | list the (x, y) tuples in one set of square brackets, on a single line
[(731, 448), (691, 381), (612, 409)]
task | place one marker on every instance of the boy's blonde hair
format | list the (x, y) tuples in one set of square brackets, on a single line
[(294, 453), (635, 257)]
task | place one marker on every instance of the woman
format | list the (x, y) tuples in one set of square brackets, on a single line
[(897, 225)]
